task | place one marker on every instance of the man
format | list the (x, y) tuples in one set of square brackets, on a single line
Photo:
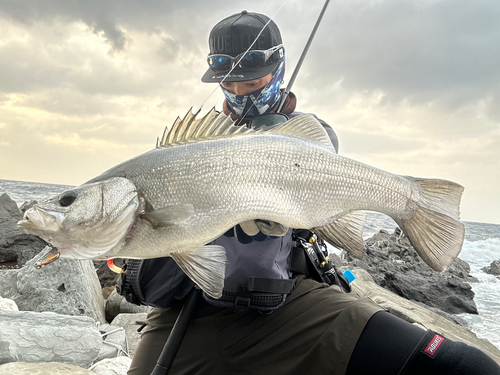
[(291, 324)]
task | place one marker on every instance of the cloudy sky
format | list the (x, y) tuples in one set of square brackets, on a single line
[(412, 87)]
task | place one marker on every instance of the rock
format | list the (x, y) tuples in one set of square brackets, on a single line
[(28, 336), (112, 366), (16, 248), (365, 286), (117, 304), (8, 304), (27, 205), (114, 342), (48, 368), (131, 323), (493, 268), (107, 277), (395, 265), (66, 286), (9, 208)]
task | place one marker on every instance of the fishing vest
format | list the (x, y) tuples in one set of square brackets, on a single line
[(258, 273)]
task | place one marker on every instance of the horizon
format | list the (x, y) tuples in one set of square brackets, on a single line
[(409, 87)]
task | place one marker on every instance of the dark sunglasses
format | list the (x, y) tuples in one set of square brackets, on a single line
[(247, 60)]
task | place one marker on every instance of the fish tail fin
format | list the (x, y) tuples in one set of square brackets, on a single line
[(205, 266), (434, 230)]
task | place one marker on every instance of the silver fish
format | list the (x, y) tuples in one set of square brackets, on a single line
[(207, 175)]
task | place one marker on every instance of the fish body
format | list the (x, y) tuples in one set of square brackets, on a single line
[(208, 175)]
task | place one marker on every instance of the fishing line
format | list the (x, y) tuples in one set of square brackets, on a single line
[(243, 55)]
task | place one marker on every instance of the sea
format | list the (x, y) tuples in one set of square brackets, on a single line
[(481, 247)]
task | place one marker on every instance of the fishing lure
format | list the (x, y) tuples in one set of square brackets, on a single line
[(48, 254)]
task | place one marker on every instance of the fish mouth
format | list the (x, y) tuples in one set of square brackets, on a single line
[(40, 218)]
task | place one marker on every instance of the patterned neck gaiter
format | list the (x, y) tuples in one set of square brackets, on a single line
[(260, 101)]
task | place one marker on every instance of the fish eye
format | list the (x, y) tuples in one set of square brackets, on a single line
[(67, 198)]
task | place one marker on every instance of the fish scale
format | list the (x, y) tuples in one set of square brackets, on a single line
[(207, 175)]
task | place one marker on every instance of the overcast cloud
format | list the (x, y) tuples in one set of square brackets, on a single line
[(411, 87)]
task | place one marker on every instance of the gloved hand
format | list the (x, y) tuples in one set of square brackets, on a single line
[(257, 230), (269, 228)]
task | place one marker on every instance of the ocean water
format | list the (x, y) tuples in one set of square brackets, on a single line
[(481, 247)]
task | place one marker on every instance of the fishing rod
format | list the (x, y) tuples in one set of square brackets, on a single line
[(167, 356), (302, 57)]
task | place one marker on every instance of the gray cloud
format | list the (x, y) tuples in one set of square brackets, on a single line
[(402, 82)]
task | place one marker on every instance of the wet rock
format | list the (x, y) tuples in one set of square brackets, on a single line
[(493, 268), (395, 265)]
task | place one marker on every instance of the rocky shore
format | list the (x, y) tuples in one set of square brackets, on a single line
[(67, 317)]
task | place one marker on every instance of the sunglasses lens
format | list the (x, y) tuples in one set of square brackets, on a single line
[(219, 63), (252, 60)]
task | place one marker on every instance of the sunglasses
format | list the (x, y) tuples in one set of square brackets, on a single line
[(247, 60)]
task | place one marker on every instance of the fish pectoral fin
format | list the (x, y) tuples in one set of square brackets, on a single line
[(165, 216), (205, 266), (345, 233)]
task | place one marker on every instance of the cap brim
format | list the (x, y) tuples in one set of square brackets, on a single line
[(239, 75)]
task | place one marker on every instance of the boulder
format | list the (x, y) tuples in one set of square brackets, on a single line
[(131, 323), (114, 342), (112, 366), (66, 286), (107, 277), (117, 304), (16, 248), (395, 265), (8, 304), (365, 286), (28, 336), (49, 368), (493, 268)]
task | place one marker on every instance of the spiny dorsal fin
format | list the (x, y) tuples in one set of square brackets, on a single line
[(212, 124), (219, 124)]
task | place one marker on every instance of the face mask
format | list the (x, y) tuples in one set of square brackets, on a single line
[(259, 101)]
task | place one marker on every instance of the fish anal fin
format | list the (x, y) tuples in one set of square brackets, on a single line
[(205, 266), (165, 216), (346, 233)]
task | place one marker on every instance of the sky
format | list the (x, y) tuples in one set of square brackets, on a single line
[(410, 87)]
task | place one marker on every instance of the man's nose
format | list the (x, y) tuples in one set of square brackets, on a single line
[(239, 88)]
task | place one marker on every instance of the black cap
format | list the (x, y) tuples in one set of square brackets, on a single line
[(233, 35)]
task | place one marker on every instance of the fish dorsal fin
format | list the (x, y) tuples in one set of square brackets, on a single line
[(308, 127), (212, 124), (219, 124)]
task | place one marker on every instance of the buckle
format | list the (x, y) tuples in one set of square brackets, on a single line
[(242, 304)]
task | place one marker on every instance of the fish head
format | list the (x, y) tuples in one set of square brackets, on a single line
[(85, 222)]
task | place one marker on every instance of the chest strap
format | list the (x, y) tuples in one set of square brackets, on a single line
[(260, 293)]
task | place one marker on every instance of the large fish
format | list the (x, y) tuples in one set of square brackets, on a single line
[(207, 175)]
